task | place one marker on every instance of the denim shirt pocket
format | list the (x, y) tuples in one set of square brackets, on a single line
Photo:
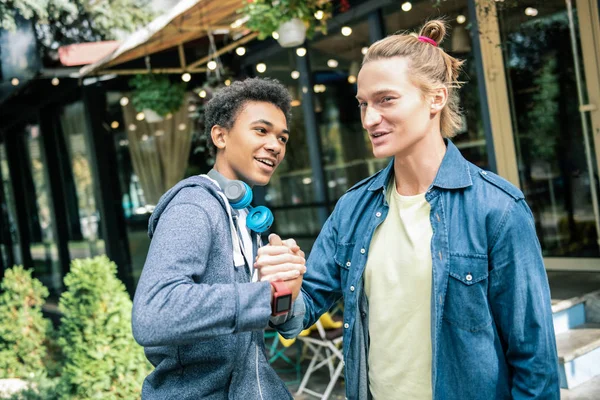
[(343, 258), (466, 305)]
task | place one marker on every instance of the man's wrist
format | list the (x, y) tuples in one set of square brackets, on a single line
[(281, 298)]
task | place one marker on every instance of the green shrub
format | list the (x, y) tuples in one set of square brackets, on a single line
[(41, 388), (101, 358), (23, 329)]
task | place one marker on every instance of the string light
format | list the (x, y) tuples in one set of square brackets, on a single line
[(346, 31), (407, 6), (227, 82), (301, 51), (140, 116), (332, 63), (212, 65), (261, 67), (275, 35), (186, 77), (124, 101), (461, 19), (531, 12), (14, 81), (202, 94), (295, 74), (114, 124), (319, 15), (240, 51), (364, 50), (55, 81)]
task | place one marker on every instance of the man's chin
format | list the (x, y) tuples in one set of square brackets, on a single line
[(381, 153), (261, 180)]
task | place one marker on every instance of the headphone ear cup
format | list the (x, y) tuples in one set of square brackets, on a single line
[(259, 219), (239, 194)]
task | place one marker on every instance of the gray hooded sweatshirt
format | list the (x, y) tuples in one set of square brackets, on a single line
[(199, 317)]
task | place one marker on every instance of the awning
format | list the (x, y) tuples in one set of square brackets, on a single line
[(189, 20), (85, 53)]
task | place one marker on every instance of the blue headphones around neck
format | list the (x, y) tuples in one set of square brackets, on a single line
[(239, 195)]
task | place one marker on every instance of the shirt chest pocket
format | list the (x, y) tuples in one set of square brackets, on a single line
[(343, 259), (466, 305)]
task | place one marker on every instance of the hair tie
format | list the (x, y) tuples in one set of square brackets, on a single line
[(428, 40)]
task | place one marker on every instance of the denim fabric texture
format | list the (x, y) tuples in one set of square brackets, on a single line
[(491, 321)]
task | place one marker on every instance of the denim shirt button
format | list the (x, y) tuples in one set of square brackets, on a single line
[(469, 277), (352, 288), (362, 251), (346, 325), (378, 214), (348, 264)]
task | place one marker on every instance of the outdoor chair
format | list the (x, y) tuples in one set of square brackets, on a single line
[(323, 341)]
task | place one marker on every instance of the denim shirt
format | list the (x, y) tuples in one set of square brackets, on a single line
[(491, 321)]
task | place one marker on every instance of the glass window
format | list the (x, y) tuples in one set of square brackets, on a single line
[(335, 62), (10, 243), (547, 125), (85, 238), (43, 248)]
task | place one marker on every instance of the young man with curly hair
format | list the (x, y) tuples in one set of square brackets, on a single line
[(200, 309)]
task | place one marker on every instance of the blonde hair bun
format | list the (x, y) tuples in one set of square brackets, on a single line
[(435, 30)]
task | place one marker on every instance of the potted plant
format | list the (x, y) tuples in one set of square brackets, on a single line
[(294, 20), (156, 96)]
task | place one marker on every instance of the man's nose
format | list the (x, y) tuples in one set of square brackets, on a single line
[(370, 118), (274, 145)]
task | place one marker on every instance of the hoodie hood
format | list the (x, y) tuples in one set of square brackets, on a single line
[(200, 181)]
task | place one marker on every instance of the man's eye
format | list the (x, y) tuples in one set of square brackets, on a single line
[(283, 139), (261, 130), (386, 99)]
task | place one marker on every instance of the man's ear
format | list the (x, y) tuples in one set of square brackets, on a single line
[(439, 99), (218, 135)]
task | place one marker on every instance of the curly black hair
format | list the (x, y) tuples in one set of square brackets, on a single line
[(225, 106)]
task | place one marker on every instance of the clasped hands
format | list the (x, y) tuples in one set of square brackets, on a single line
[(281, 260)]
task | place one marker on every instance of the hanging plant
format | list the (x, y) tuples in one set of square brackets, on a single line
[(284, 16), (156, 93)]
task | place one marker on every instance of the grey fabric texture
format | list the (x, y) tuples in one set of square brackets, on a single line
[(199, 317)]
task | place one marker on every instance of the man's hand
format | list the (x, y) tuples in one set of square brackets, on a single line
[(281, 261)]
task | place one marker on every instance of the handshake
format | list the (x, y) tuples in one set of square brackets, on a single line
[(281, 260)]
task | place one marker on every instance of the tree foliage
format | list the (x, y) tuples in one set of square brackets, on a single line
[(101, 358), (23, 329), (62, 22)]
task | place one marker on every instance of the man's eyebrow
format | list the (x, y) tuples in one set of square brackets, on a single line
[(269, 124), (378, 93)]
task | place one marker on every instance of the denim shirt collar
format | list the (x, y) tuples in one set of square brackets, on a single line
[(453, 172)]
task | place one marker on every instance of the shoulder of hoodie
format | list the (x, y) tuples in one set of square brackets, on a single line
[(198, 195)]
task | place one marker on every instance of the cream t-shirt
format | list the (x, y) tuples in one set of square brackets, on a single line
[(398, 286)]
